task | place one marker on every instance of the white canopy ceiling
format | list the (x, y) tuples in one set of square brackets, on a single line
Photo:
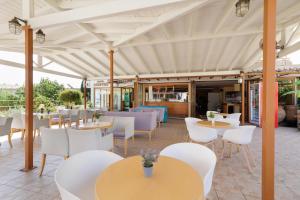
[(152, 37)]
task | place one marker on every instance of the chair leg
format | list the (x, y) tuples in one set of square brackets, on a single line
[(23, 134), (223, 151), (246, 158), (34, 133), (251, 155), (43, 161), (230, 150), (9, 140), (150, 132), (213, 146), (125, 147)]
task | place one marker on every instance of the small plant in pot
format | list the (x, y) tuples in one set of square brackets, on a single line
[(211, 116), (97, 116), (149, 158)]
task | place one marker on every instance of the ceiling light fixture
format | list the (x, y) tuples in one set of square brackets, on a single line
[(242, 8)]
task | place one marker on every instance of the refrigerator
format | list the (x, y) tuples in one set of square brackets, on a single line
[(256, 91)]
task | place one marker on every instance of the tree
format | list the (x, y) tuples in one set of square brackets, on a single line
[(49, 89), (70, 97), (38, 100), (88, 90)]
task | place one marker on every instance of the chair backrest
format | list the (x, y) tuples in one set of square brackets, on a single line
[(54, 141), (83, 140), (240, 135), (39, 122), (76, 177), (18, 121), (201, 158), (190, 121), (234, 116), (75, 112), (6, 126), (144, 121), (125, 124), (202, 134)]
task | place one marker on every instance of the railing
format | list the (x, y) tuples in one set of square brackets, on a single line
[(6, 105)]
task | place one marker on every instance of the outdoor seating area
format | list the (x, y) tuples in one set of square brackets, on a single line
[(149, 100)]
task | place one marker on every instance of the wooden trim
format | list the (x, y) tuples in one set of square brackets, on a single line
[(84, 94), (249, 103), (28, 98), (111, 80), (268, 116), (243, 98)]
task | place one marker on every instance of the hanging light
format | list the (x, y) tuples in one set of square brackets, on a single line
[(14, 26), (40, 36), (278, 45), (242, 8)]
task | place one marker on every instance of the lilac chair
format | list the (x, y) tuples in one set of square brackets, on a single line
[(145, 122)]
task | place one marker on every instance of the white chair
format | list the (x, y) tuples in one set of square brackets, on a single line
[(199, 134), (53, 142), (233, 119), (123, 127), (190, 121), (38, 123), (18, 123), (88, 114), (76, 177), (242, 137), (5, 128), (74, 117), (65, 116), (85, 140), (201, 158)]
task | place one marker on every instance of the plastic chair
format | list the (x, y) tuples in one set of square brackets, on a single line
[(200, 134), (5, 128), (53, 142), (242, 137), (76, 177), (201, 158)]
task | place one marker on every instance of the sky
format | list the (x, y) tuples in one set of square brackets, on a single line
[(12, 75)]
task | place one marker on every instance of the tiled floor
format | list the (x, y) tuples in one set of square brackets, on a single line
[(232, 181)]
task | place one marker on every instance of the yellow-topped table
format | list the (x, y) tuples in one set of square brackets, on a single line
[(217, 124), (172, 180), (95, 125)]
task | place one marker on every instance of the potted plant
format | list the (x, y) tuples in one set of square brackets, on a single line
[(211, 117), (149, 157), (97, 116)]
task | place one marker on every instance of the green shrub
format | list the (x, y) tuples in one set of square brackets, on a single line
[(38, 100), (71, 97)]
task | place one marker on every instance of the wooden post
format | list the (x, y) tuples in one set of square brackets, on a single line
[(243, 98), (249, 100), (111, 75), (268, 114), (84, 93), (136, 92), (28, 98)]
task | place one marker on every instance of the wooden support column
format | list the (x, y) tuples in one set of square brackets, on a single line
[(28, 98), (268, 114), (243, 97), (84, 93), (136, 92), (111, 80)]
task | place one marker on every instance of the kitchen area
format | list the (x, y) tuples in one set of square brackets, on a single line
[(221, 96)]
